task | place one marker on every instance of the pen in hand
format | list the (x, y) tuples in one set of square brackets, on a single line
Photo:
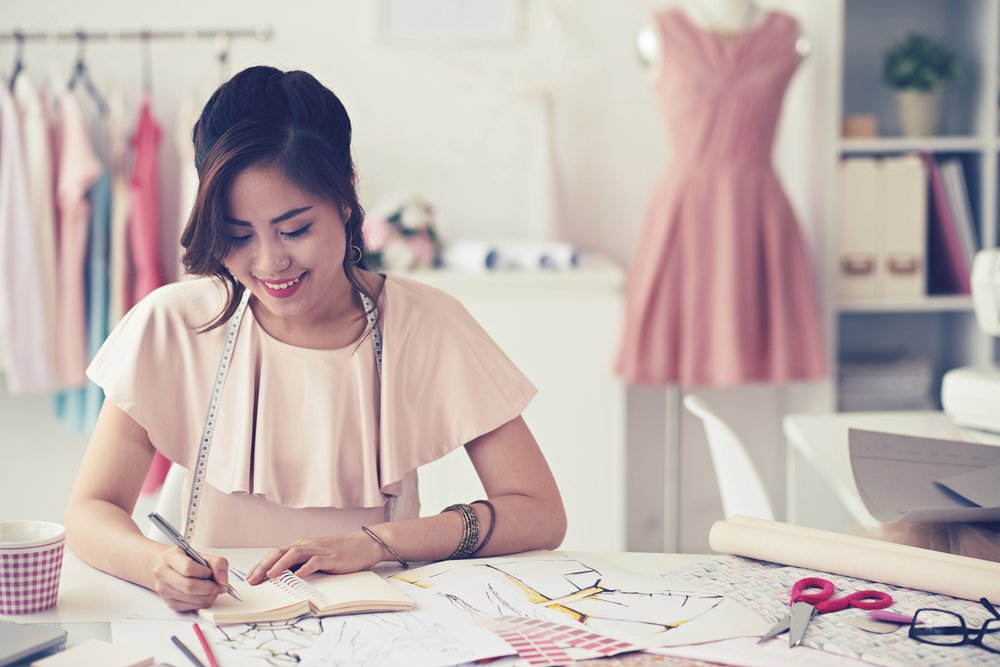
[(179, 540)]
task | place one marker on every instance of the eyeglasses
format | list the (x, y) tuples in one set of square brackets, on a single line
[(946, 628)]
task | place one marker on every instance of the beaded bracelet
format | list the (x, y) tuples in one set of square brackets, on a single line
[(489, 531), (406, 566), (470, 530)]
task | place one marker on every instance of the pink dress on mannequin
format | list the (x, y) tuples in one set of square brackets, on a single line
[(721, 291)]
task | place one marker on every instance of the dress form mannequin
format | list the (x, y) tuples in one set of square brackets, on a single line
[(726, 17)]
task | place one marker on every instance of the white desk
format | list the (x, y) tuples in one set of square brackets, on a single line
[(821, 492), (85, 610), (85, 607)]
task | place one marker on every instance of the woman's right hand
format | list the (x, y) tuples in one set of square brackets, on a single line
[(184, 585)]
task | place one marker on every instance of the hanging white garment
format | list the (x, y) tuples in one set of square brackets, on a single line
[(22, 310), (118, 257), (78, 169), (187, 116), (38, 163)]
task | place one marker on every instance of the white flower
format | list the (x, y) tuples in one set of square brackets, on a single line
[(416, 214), (398, 255)]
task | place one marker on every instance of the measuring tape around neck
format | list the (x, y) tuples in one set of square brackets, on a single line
[(201, 465)]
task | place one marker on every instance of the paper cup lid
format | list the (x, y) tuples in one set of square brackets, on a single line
[(21, 534)]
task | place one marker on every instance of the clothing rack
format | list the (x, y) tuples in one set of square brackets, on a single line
[(223, 39), (261, 32)]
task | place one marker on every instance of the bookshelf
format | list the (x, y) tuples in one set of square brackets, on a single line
[(940, 328)]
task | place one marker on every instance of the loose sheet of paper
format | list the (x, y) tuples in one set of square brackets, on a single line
[(896, 474), (399, 639), (131, 601), (643, 610), (981, 486)]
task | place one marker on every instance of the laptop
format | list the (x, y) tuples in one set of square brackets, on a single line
[(21, 640)]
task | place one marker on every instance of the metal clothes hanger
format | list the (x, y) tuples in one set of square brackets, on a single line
[(222, 45), (82, 74), (18, 58), (147, 62)]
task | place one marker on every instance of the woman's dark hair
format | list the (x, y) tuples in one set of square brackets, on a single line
[(264, 117)]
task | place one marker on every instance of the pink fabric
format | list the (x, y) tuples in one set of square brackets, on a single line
[(301, 433), (144, 225), (720, 291), (144, 234), (77, 170)]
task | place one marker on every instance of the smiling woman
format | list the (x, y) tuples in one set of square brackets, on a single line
[(284, 243), (333, 383)]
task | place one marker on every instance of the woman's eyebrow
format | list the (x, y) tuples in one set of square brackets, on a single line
[(281, 218)]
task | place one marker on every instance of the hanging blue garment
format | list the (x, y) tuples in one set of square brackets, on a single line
[(79, 408)]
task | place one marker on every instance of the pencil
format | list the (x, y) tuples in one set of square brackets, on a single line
[(204, 645), (187, 652)]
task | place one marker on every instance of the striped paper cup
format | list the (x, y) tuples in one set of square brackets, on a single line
[(30, 561)]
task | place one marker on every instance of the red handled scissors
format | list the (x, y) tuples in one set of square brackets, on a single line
[(804, 605)]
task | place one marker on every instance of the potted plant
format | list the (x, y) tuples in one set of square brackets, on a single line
[(919, 68)]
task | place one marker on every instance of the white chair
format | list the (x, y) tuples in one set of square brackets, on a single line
[(169, 504), (740, 485)]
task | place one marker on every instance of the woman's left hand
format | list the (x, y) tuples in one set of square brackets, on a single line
[(340, 554)]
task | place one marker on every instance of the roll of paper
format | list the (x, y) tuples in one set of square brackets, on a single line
[(526, 254), (470, 256), (560, 256), (862, 557), (520, 255)]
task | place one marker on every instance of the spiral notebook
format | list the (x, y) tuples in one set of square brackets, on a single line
[(290, 596)]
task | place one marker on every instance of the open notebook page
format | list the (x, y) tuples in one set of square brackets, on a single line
[(290, 596), (359, 591), (264, 602)]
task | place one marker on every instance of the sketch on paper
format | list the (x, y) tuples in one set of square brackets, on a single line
[(275, 643), (358, 640), (402, 638), (560, 588)]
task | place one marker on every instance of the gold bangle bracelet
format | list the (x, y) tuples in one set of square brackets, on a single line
[(406, 566), (470, 530)]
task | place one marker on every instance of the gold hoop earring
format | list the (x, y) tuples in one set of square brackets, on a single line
[(355, 254)]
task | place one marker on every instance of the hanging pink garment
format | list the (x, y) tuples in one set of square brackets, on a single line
[(721, 291), (144, 225), (144, 234), (77, 170)]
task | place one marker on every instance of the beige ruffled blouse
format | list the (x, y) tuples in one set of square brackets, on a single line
[(308, 442)]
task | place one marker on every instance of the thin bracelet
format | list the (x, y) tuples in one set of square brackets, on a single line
[(489, 531), (406, 566)]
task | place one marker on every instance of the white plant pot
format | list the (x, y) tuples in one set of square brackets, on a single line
[(919, 112)]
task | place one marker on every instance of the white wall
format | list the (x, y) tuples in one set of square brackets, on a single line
[(462, 126), (457, 123)]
